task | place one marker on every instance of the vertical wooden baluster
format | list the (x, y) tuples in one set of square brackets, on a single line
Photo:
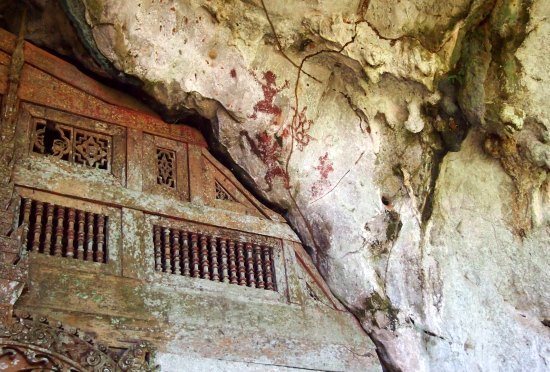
[(167, 256), (185, 253), (157, 244), (90, 237), (100, 254), (232, 263), (240, 259), (259, 269), (195, 253), (81, 218), (267, 268), (223, 253), (214, 259), (49, 226), (204, 258), (58, 246), (27, 203), (177, 251), (39, 207), (70, 233), (250, 265)]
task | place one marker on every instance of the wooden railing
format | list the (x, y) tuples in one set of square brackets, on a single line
[(63, 232), (219, 259)]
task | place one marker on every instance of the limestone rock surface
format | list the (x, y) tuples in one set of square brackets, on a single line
[(407, 141)]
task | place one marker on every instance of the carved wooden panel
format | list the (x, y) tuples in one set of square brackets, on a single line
[(164, 167), (73, 145), (90, 147), (222, 193), (214, 258), (33, 343)]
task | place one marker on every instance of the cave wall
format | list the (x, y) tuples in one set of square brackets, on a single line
[(408, 143)]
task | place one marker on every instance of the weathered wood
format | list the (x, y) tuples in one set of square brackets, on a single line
[(259, 263), (58, 245), (195, 255), (205, 264), (135, 159), (139, 254), (81, 218), (232, 263), (8, 119), (89, 237), (157, 246), (176, 251), (197, 192), (250, 265), (214, 259), (268, 266), (241, 263), (242, 195), (36, 174), (167, 267), (224, 266), (100, 236), (91, 223), (185, 253), (104, 235), (27, 203), (39, 207), (48, 229), (70, 232), (10, 102)]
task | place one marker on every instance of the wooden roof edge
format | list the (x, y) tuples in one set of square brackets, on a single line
[(69, 74), (264, 210), (304, 259)]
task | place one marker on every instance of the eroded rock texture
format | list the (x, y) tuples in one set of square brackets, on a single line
[(408, 142)]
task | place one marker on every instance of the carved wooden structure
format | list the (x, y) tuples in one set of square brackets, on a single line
[(35, 344), (118, 223)]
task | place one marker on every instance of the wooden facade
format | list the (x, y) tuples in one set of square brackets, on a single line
[(127, 228)]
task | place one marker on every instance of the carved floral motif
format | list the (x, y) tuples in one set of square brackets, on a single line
[(35, 343), (73, 145), (91, 150), (166, 167), (222, 194)]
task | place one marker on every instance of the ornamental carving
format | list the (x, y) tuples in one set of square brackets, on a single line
[(36, 344), (222, 194), (166, 167), (91, 150), (71, 144)]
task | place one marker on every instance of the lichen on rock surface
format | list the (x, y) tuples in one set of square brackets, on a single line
[(407, 141)]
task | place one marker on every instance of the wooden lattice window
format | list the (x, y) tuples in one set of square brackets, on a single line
[(60, 231), (71, 144), (222, 193), (218, 259), (166, 167)]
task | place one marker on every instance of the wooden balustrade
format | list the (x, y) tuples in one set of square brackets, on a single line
[(217, 259), (53, 233)]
